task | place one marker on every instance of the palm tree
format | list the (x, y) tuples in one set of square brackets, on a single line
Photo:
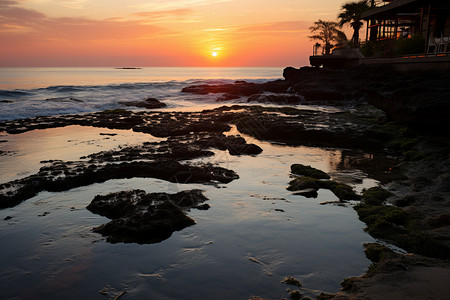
[(326, 32), (351, 14)]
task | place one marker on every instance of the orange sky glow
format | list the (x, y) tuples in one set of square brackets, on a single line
[(159, 32)]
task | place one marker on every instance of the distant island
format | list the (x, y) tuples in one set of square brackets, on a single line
[(128, 68)]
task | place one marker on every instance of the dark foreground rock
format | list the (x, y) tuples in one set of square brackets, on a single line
[(276, 98), (149, 103), (62, 176), (138, 217)]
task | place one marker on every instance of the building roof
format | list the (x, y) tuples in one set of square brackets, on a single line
[(402, 8), (391, 10)]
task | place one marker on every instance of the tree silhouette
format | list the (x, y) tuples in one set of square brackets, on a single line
[(326, 32), (351, 14)]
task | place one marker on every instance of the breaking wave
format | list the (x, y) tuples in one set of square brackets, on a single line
[(69, 99)]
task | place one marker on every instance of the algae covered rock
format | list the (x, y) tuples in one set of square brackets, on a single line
[(309, 186), (342, 191), (303, 183), (375, 252), (402, 228), (375, 196), (138, 217), (309, 171)]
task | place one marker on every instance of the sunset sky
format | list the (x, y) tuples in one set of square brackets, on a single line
[(159, 32)]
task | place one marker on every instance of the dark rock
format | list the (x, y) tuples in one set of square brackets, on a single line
[(275, 98), (108, 134), (440, 221), (308, 171), (311, 185), (295, 294), (308, 193), (149, 103), (144, 218), (240, 88), (405, 201), (312, 94), (202, 206), (237, 145), (341, 190), (304, 183), (227, 97), (290, 74), (292, 281), (81, 174), (243, 89)]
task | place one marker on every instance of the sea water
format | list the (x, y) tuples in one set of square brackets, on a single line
[(30, 92), (254, 235)]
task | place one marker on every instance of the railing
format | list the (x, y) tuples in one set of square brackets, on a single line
[(439, 45), (379, 3)]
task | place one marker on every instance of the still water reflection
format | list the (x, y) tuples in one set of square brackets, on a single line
[(254, 234)]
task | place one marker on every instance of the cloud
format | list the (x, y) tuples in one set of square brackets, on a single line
[(216, 29), (4, 3), (17, 20), (73, 4), (274, 27), (10, 11), (174, 4), (164, 13), (83, 29), (256, 32)]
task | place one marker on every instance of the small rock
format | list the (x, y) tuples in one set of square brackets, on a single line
[(147, 103), (295, 294), (138, 217), (292, 281)]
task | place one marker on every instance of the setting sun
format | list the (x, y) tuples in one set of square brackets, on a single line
[(163, 33)]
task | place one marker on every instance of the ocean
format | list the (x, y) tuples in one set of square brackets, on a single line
[(254, 235), (30, 92)]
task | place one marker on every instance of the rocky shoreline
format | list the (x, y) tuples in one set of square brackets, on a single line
[(398, 115)]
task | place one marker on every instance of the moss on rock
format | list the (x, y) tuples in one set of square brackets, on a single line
[(348, 283), (400, 227), (308, 171), (376, 252), (375, 196), (302, 183), (342, 191)]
